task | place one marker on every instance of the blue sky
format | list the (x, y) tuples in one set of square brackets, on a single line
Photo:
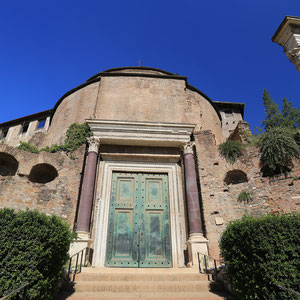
[(224, 47)]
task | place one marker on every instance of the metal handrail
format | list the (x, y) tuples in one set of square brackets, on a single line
[(221, 261), (23, 287), (206, 271), (206, 268), (285, 289), (77, 268)]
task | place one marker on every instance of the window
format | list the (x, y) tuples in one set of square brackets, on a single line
[(24, 127), (41, 124), (3, 133), (228, 113)]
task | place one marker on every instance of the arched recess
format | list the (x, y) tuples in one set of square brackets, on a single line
[(42, 173), (235, 177), (8, 164), (266, 171)]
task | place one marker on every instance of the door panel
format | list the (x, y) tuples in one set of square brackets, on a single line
[(157, 251), (123, 234), (139, 229), (121, 238)]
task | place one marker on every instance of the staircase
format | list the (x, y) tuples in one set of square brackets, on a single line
[(120, 283)]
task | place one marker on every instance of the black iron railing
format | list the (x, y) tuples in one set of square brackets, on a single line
[(284, 289), (22, 290), (209, 264), (212, 266), (77, 269)]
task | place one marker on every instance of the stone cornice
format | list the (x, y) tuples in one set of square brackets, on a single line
[(141, 133), (290, 24)]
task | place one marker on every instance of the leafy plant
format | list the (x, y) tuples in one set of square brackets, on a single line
[(278, 148), (28, 147), (231, 150), (261, 253), (33, 247), (245, 196), (76, 136), (297, 138), (53, 148)]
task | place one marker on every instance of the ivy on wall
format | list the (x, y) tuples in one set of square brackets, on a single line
[(28, 147), (76, 135), (231, 150)]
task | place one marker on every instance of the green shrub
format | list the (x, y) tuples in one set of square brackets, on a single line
[(76, 136), (28, 147), (245, 196), (278, 148), (52, 149), (297, 138), (231, 150), (260, 253), (33, 247)]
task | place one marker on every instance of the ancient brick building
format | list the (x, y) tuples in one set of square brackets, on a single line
[(150, 188)]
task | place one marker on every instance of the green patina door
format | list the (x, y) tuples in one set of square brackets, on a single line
[(139, 226)]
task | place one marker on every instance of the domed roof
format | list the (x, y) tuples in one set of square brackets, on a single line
[(140, 71)]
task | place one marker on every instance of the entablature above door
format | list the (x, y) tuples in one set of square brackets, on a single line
[(141, 133)]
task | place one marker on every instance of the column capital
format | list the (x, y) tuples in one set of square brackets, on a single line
[(294, 56), (188, 148), (94, 144)]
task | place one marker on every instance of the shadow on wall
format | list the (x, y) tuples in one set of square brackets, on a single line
[(8, 164), (235, 177), (42, 173)]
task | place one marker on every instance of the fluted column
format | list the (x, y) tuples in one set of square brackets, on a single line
[(87, 191), (196, 243)]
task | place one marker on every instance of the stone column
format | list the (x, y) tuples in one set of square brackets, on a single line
[(196, 242), (288, 36), (294, 56), (87, 191)]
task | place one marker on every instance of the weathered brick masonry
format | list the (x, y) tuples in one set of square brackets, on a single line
[(141, 119), (220, 201), (59, 196)]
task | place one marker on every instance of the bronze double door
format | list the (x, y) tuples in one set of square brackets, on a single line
[(139, 222)]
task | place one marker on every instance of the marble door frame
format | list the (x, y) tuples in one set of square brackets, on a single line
[(103, 191)]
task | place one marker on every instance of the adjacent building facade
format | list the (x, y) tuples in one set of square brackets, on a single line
[(150, 188), (287, 35)]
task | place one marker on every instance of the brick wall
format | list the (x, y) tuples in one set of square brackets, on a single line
[(59, 196), (220, 201)]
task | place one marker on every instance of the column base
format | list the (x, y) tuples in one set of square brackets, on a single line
[(196, 243)]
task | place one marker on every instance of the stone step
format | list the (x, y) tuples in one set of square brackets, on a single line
[(139, 277), (143, 295), (140, 270), (141, 286)]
